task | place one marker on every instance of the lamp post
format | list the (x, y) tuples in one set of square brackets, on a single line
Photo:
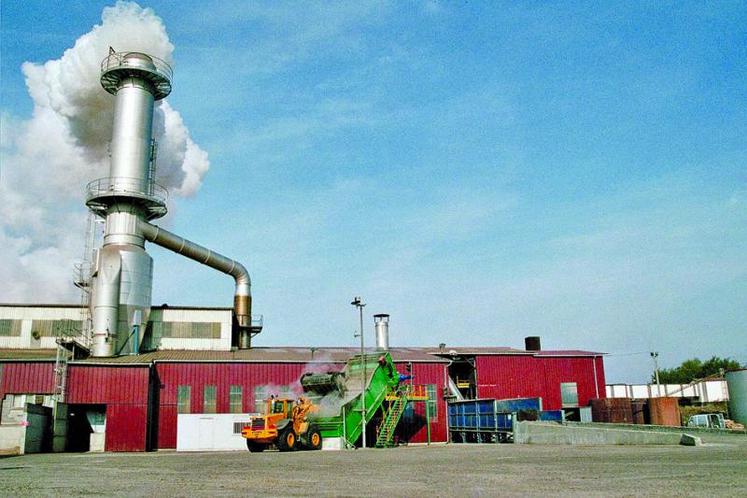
[(655, 357), (360, 304)]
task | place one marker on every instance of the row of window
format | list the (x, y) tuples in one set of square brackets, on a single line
[(41, 328), (52, 328), (236, 394)]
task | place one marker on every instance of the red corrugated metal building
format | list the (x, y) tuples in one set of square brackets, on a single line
[(540, 375), (139, 394), (124, 390)]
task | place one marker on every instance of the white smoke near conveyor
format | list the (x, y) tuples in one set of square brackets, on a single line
[(48, 159)]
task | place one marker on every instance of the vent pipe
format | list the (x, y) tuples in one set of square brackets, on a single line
[(381, 324), (242, 300), (532, 343)]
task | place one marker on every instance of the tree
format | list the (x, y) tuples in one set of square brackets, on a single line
[(694, 369)]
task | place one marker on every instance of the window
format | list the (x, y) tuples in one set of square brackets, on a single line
[(190, 330), (568, 394), (183, 399), (234, 399), (209, 404), (10, 328), (260, 394), (52, 328), (432, 403)]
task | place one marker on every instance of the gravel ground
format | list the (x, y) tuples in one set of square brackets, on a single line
[(718, 469)]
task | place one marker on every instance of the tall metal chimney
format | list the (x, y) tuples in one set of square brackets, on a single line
[(381, 324), (129, 198)]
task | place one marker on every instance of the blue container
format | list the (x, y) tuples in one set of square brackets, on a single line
[(551, 415), (518, 404)]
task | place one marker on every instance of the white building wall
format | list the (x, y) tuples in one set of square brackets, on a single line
[(224, 317), (210, 432), (709, 391), (27, 315)]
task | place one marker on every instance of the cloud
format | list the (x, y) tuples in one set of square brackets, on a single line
[(49, 158)]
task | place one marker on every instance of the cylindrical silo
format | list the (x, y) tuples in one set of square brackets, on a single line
[(736, 380)]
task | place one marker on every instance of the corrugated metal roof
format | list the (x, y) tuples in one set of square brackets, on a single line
[(473, 350), (263, 355), (486, 351), (8, 354), (566, 352), (287, 354)]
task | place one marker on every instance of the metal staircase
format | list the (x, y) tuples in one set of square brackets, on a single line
[(385, 439)]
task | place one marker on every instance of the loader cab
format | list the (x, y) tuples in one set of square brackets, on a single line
[(275, 406)]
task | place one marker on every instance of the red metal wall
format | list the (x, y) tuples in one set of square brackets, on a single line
[(221, 375), (428, 373), (251, 375), (124, 391), (26, 378), (514, 376)]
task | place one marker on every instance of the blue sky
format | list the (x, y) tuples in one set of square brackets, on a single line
[(480, 171)]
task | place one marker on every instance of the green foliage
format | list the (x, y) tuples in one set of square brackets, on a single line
[(694, 369)]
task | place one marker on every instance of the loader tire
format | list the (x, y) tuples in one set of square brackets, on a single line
[(313, 438), (255, 447), (287, 439)]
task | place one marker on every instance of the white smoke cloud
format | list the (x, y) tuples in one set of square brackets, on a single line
[(48, 159)]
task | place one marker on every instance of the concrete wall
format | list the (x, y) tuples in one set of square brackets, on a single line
[(12, 439), (553, 433)]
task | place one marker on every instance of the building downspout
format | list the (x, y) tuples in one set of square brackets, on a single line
[(242, 301)]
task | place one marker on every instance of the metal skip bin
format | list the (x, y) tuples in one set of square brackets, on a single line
[(489, 420)]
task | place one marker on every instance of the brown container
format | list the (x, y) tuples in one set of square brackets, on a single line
[(639, 408), (664, 411), (612, 410)]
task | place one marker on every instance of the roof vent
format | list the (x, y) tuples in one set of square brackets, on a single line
[(532, 343)]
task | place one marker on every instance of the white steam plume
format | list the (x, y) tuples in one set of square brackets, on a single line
[(48, 159)]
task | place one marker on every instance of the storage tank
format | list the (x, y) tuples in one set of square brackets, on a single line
[(612, 410), (664, 411), (736, 380)]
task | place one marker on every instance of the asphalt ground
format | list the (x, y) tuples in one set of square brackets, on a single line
[(716, 469)]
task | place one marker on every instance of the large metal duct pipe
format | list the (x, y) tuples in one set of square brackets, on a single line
[(381, 324), (242, 301)]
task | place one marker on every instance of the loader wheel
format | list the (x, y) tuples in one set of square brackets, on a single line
[(255, 447), (314, 438), (287, 440)]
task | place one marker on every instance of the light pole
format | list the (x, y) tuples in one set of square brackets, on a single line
[(360, 304), (655, 357)]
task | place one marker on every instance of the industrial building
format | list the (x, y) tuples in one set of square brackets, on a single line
[(114, 373), (187, 365)]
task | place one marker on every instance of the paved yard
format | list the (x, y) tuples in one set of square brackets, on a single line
[(446, 470)]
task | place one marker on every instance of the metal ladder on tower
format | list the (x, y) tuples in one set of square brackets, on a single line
[(83, 280), (397, 406)]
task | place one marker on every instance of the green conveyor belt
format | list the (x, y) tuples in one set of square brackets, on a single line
[(341, 411)]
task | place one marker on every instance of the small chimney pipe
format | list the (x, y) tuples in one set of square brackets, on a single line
[(381, 324), (532, 343)]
